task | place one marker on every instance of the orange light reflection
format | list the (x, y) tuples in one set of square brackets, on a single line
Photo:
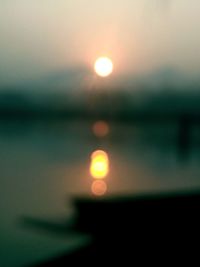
[(99, 188), (99, 166), (101, 128)]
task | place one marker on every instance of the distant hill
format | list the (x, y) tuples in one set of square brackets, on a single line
[(164, 92)]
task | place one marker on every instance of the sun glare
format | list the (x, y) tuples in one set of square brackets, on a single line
[(103, 66)]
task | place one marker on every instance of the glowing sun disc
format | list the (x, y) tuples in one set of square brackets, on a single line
[(103, 66)]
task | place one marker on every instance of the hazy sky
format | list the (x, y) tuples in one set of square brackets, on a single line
[(38, 37)]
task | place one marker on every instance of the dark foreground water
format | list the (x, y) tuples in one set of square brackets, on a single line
[(44, 165)]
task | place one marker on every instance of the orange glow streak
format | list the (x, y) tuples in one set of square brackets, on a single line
[(99, 166), (99, 188), (101, 128)]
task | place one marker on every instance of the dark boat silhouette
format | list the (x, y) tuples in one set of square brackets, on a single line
[(137, 230)]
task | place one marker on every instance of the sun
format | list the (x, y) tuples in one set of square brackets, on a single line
[(103, 66)]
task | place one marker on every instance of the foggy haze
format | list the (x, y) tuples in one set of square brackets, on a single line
[(143, 36)]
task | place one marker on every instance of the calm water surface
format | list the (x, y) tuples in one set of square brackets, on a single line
[(44, 165)]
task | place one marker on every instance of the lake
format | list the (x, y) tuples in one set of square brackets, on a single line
[(45, 165)]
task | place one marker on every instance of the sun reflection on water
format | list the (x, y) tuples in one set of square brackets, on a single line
[(99, 169), (99, 166), (99, 187), (100, 128)]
